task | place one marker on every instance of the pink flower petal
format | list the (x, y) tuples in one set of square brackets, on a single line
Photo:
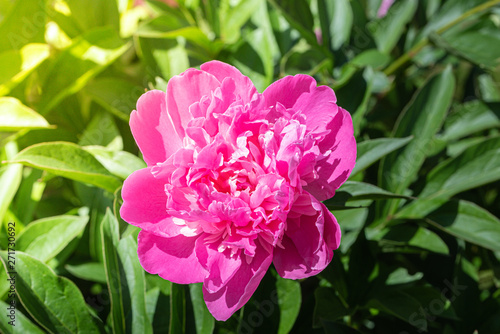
[(308, 244), (185, 89), (173, 259), (153, 129), (288, 89), (336, 168), (223, 303), (244, 86), (144, 202)]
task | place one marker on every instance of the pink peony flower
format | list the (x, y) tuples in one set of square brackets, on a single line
[(235, 179)]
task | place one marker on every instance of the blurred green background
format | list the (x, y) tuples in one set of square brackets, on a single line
[(420, 213)]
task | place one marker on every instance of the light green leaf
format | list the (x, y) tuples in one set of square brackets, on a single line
[(89, 54), (235, 18), (23, 24), (10, 179), (371, 151), (21, 323), (336, 20), (162, 27), (126, 282), (118, 96), (477, 165), (115, 278), (289, 301), (47, 237), (120, 163), (102, 13), (53, 301), (21, 63), (387, 30), (135, 309), (91, 271), (15, 116), (68, 160), (204, 321), (422, 119), (466, 220)]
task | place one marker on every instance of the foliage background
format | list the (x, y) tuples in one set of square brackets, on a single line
[(419, 215)]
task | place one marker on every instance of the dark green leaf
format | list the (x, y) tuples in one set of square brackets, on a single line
[(178, 309), (476, 166), (204, 321), (328, 306), (471, 117), (422, 118), (371, 151), (468, 221)]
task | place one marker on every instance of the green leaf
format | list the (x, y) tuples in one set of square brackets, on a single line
[(388, 30), (466, 220), (68, 160), (235, 18), (328, 306), (10, 179), (479, 45), (118, 96), (422, 119), (47, 237), (89, 54), (204, 321), (299, 16), (352, 191), (162, 27), (410, 235), (21, 63), (126, 282), (120, 163), (289, 301), (91, 271), (102, 13), (21, 323), (116, 285), (400, 305), (135, 309), (477, 165), (15, 116), (177, 309), (336, 20), (469, 118), (24, 24), (53, 301), (370, 151)]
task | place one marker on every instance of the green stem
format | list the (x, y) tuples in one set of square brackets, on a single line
[(420, 45)]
